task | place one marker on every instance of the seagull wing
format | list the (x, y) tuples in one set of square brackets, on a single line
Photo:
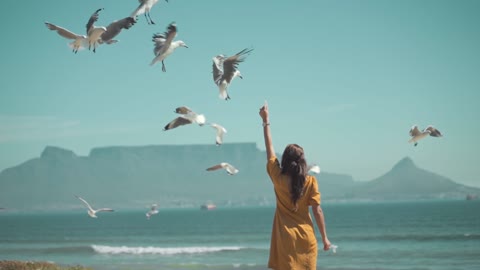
[(230, 169), (179, 121), (183, 110), (85, 202), (116, 27), (140, 9), (220, 131), (414, 131), (433, 131), (62, 31), (216, 167), (92, 20), (105, 210), (159, 40), (218, 68), (314, 169), (230, 64), (162, 42)]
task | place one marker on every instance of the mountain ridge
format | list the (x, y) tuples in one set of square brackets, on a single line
[(176, 176)]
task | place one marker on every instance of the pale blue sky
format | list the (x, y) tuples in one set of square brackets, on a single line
[(344, 79)]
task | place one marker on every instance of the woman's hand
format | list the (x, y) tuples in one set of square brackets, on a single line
[(264, 112), (326, 244)]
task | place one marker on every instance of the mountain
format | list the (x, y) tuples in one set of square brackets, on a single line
[(133, 177), (406, 181), (176, 176)]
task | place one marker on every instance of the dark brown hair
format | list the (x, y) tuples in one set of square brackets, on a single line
[(294, 165)]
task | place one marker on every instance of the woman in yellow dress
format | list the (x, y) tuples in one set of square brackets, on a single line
[(293, 244)]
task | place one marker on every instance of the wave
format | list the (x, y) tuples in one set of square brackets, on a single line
[(160, 250)]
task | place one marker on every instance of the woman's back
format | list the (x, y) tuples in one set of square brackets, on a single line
[(293, 244)]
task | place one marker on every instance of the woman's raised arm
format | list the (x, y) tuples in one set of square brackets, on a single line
[(266, 131)]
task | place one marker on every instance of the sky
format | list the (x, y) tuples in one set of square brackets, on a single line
[(345, 79)]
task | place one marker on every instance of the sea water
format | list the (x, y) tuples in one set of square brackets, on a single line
[(397, 236)]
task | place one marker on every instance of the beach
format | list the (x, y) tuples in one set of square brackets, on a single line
[(375, 235)]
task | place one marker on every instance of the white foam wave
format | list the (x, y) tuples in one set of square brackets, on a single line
[(159, 250)]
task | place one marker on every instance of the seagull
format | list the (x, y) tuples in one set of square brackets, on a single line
[(94, 32), (92, 212), (164, 45), (115, 28), (144, 8), (187, 117), (224, 165), (313, 169), (153, 211), (78, 42), (418, 135), (225, 70), (220, 131)]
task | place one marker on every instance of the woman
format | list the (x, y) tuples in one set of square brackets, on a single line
[(293, 244)]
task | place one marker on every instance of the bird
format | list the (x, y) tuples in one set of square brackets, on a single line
[(225, 69), (187, 116), (313, 169), (79, 41), (417, 135), (92, 212), (114, 28), (153, 211), (224, 165), (220, 131), (94, 32), (164, 45), (144, 8)]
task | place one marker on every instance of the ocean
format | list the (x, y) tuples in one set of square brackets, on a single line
[(374, 235)]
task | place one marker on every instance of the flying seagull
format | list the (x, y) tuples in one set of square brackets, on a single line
[(153, 211), (219, 131), (94, 32), (144, 8), (417, 135), (78, 42), (164, 45), (224, 165), (313, 169), (225, 70), (187, 116), (92, 212), (115, 28)]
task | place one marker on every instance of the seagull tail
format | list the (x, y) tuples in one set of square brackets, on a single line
[(223, 92), (153, 61)]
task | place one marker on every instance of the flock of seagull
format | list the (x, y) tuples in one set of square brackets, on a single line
[(224, 69)]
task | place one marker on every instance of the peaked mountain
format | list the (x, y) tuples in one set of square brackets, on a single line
[(406, 181)]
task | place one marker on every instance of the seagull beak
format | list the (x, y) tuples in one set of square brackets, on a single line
[(240, 76), (185, 46)]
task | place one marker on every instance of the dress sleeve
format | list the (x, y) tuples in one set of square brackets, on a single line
[(273, 168), (314, 193)]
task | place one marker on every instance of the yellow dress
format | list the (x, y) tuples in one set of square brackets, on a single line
[(293, 244)]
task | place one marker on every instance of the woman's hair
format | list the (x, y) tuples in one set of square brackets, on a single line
[(294, 165)]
